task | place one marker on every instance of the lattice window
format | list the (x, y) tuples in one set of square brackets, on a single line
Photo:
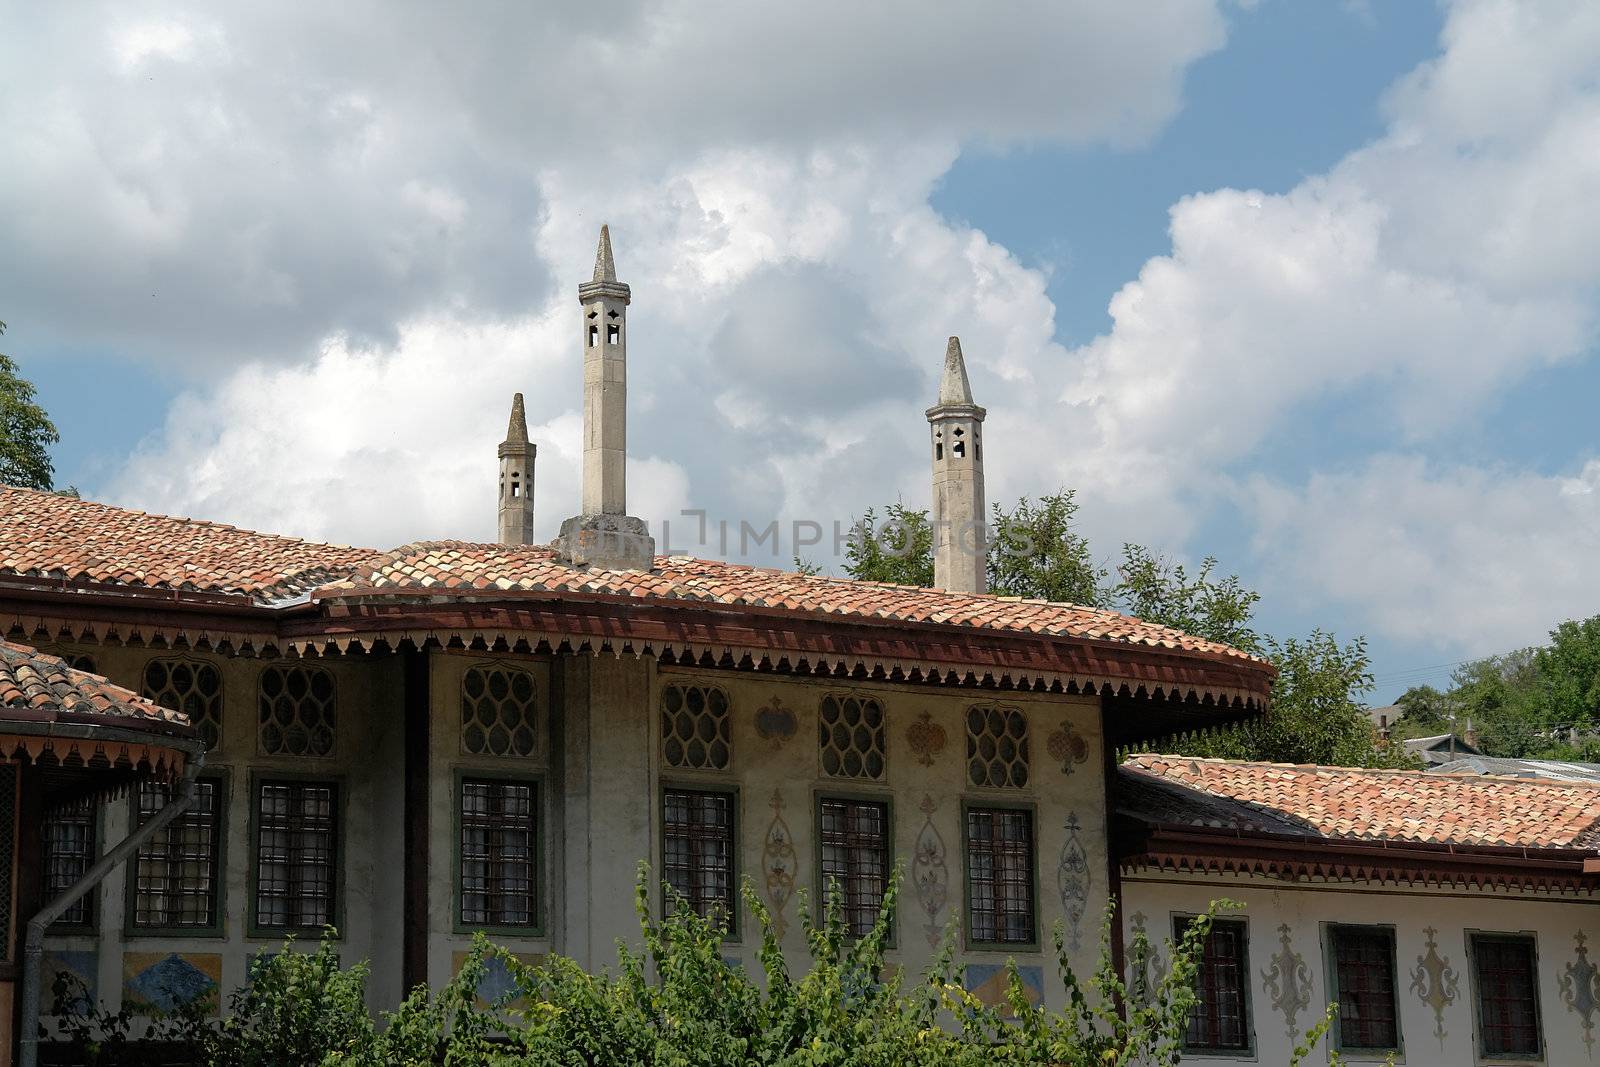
[(855, 856), (1218, 1019), (695, 729), (498, 712), (1508, 995), (1363, 965), (850, 732), (997, 747), (1000, 867), (499, 853), (296, 854), (192, 687), (697, 849), (177, 873), (297, 711), (69, 849)]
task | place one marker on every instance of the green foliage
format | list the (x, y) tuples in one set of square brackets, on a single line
[(1532, 703), (26, 432), (1038, 553), (899, 551), (1155, 589), (679, 1003)]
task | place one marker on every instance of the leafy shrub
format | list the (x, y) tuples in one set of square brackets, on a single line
[(675, 1003)]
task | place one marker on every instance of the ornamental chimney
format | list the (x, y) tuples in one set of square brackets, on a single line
[(517, 456), (960, 536), (605, 535)]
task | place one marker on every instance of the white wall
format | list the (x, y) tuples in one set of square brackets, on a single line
[(1270, 906)]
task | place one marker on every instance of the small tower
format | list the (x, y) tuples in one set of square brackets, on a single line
[(517, 456), (605, 535), (960, 534)]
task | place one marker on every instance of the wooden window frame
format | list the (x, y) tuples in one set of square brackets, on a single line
[(90, 900), (219, 870), (1330, 931), (735, 824), (986, 804), (836, 796), (1474, 939), (253, 881), (1180, 921), (537, 928)]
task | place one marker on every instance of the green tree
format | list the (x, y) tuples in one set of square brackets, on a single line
[(1038, 553), (899, 550), (1153, 588), (1568, 671), (26, 432)]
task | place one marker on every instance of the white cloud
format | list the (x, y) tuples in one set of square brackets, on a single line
[(1471, 561)]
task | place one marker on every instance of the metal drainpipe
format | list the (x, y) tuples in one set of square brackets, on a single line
[(33, 946)]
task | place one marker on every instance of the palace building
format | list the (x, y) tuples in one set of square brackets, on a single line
[(417, 744)]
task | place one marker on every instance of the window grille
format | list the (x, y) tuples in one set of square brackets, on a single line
[(499, 849), (1508, 995), (697, 842), (69, 849), (695, 731), (1000, 865), (191, 687), (1363, 964), (1218, 1018), (850, 731), (997, 747), (296, 854), (177, 873), (498, 712), (855, 855), (297, 711)]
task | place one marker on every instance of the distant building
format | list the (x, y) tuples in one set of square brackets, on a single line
[(1549, 769), (1440, 748), (1384, 718)]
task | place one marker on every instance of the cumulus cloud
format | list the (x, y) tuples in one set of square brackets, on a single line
[(1468, 560)]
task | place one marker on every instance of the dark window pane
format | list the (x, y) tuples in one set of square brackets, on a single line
[(296, 864), (1508, 1007), (1363, 961), (499, 853), (1000, 875), (697, 836), (69, 849), (1217, 1020), (855, 855), (176, 873)]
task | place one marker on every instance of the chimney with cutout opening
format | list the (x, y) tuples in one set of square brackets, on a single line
[(605, 535), (960, 537), (517, 455)]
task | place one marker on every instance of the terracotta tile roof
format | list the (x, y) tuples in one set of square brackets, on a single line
[(53, 536), (36, 686), (440, 567), (1349, 804)]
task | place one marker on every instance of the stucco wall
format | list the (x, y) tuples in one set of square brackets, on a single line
[(1286, 928)]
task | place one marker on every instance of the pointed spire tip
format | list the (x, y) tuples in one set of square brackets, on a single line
[(517, 430), (605, 267), (953, 386)]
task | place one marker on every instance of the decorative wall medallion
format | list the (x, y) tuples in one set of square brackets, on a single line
[(930, 873), (778, 862), (166, 981), (776, 724), (1144, 964), (1435, 982), (1067, 747), (1580, 990), (1288, 983), (1072, 879), (926, 739), (82, 965), (498, 986)]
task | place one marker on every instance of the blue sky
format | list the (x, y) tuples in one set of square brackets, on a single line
[(290, 281)]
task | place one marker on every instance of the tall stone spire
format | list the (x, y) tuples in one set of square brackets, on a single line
[(960, 533), (517, 457), (605, 535)]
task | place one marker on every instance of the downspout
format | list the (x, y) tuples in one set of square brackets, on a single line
[(33, 945)]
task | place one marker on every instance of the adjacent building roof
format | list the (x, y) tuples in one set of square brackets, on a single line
[(1552, 770), (48, 535), (1353, 804), (1441, 748)]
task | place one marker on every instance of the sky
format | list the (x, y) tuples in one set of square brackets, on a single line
[(1310, 288)]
